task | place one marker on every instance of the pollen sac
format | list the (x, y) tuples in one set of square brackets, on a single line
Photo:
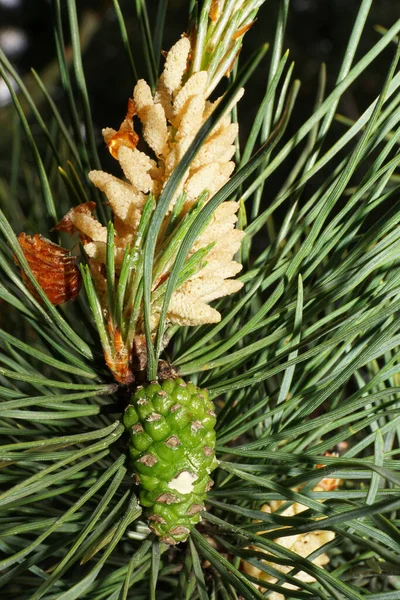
[(172, 449), (54, 268)]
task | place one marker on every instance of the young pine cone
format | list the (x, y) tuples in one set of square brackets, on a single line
[(172, 448)]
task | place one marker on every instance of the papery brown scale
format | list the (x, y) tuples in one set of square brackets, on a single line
[(118, 362), (140, 352), (243, 30), (214, 10), (53, 267), (67, 225), (126, 135), (229, 69)]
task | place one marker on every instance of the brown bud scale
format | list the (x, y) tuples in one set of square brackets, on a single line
[(54, 268)]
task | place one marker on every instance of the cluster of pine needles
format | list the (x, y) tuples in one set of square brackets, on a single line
[(303, 367)]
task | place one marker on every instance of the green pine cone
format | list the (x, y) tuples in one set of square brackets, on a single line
[(172, 448)]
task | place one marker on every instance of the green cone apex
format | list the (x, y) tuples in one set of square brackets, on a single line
[(172, 447)]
